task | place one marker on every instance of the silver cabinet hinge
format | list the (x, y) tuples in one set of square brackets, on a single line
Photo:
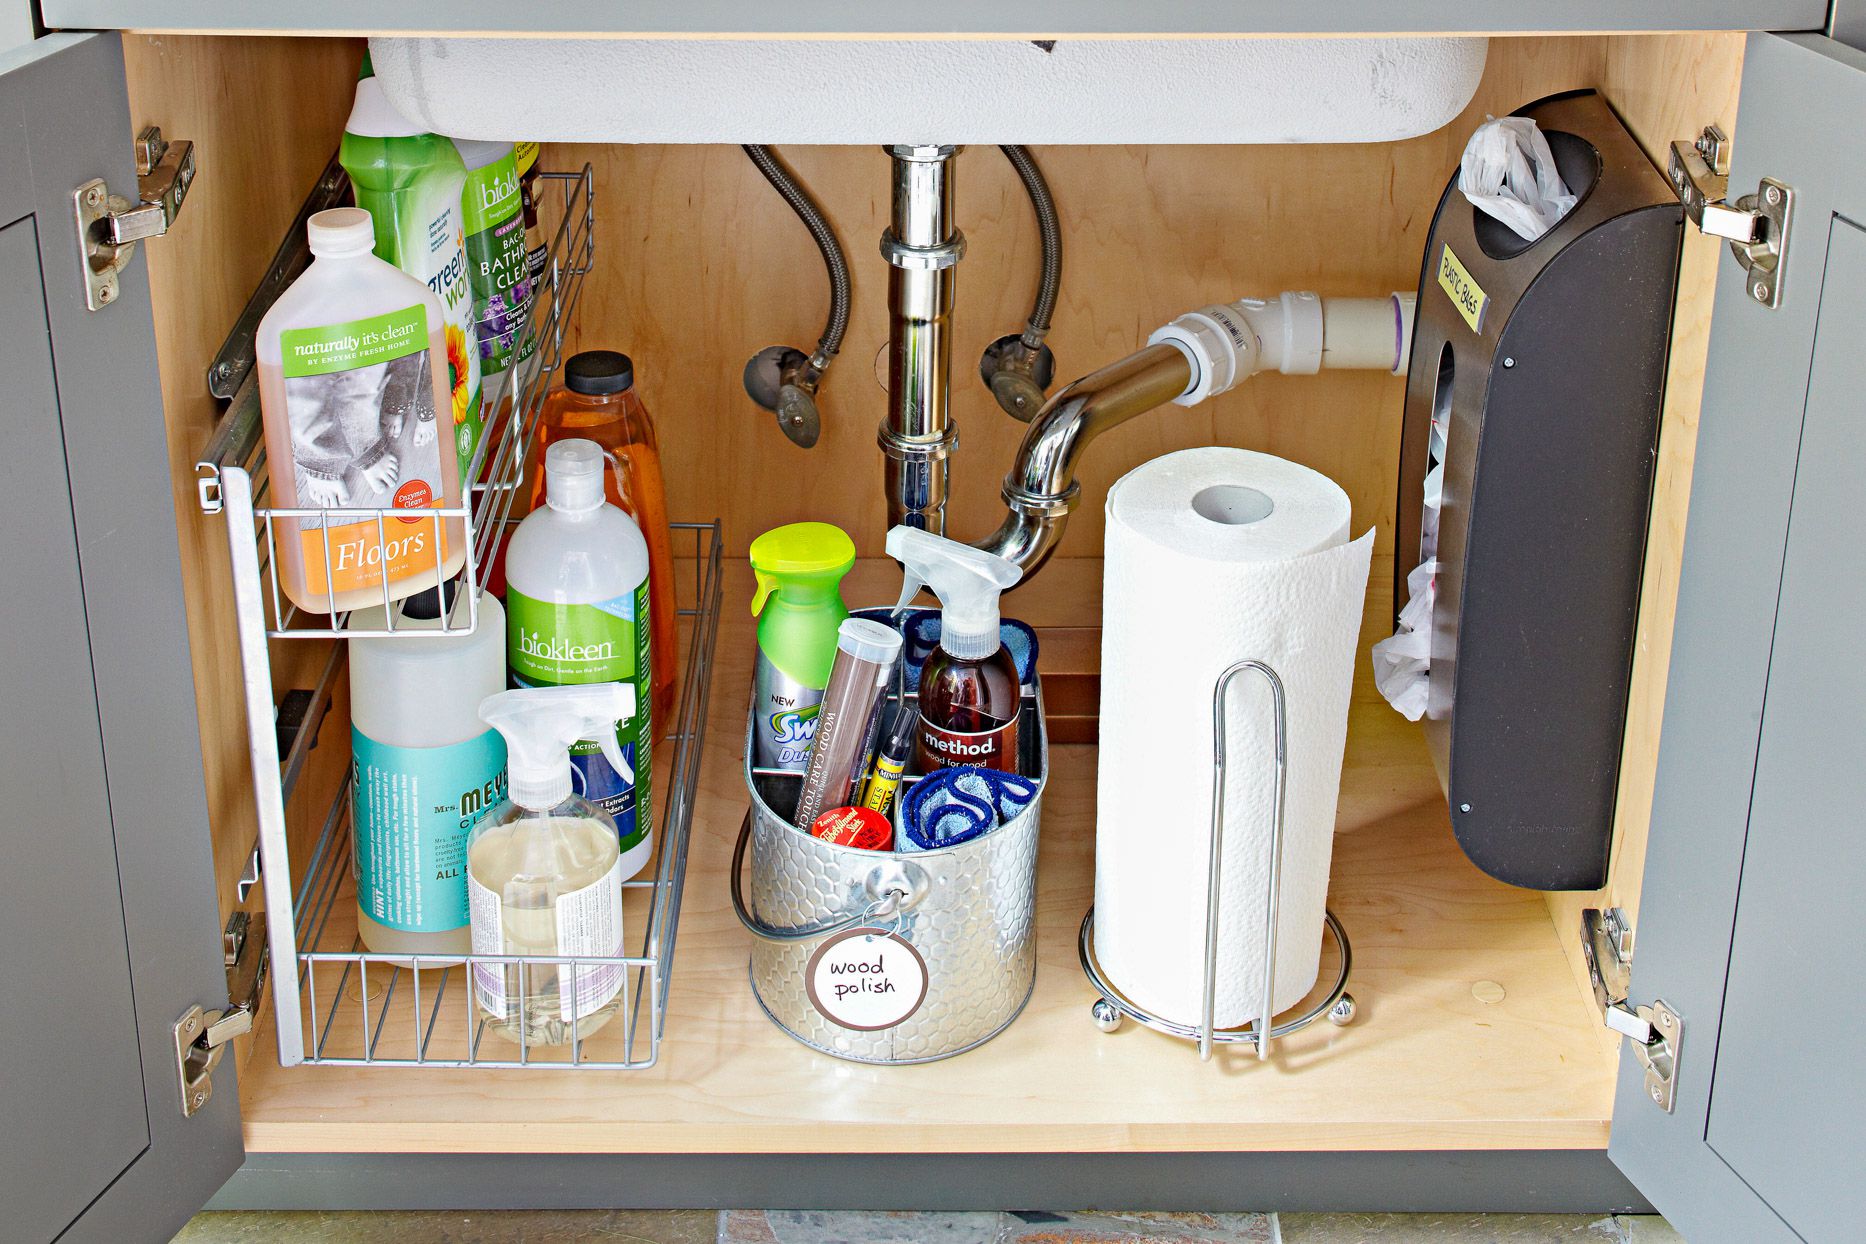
[(202, 1036), (1655, 1033), (109, 225), (1756, 225)]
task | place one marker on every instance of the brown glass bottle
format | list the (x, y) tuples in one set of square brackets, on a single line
[(968, 712)]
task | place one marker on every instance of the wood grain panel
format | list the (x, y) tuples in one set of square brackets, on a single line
[(1665, 87), (701, 265), (265, 115)]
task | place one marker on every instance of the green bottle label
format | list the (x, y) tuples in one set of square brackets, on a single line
[(496, 263), (409, 187), (552, 645)]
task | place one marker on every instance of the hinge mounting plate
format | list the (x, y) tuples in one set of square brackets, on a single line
[(1655, 1033), (1756, 225), (202, 1036), (109, 225)]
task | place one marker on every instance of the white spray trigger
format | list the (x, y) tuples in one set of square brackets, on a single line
[(966, 580), (541, 723)]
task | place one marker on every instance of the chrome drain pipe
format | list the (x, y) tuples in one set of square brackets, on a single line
[(922, 246)]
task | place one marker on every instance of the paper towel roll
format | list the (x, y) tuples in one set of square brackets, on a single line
[(1214, 556)]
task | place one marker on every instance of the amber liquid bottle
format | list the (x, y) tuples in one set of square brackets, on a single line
[(968, 712), (597, 401)]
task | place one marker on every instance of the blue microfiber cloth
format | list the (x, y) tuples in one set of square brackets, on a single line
[(950, 806), (919, 630)]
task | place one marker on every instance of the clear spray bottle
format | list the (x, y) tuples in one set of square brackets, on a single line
[(544, 869), (969, 689)]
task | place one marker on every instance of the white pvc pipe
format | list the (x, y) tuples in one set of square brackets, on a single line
[(1367, 333), (1298, 334)]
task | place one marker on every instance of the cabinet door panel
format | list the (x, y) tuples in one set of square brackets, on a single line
[(1774, 1116), (1756, 861), (108, 921), (69, 1014)]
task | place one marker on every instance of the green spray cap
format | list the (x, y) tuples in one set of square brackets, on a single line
[(799, 551)]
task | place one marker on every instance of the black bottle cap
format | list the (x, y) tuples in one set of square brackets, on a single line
[(599, 372), (426, 605)]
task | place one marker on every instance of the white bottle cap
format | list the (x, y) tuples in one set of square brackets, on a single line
[(873, 642), (573, 476), (340, 232)]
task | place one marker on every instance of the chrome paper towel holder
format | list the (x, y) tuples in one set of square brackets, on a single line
[(1113, 1007)]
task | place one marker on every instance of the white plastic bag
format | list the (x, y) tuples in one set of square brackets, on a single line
[(1509, 172), (1403, 660)]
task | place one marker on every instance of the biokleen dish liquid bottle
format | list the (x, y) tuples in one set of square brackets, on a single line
[(577, 612), (351, 386)]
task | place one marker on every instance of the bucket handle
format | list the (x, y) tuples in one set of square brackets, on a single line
[(888, 903)]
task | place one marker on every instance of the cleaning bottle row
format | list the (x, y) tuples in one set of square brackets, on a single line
[(504, 822)]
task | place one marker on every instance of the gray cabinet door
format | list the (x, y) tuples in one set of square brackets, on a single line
[(1757, 865), (107, 908)]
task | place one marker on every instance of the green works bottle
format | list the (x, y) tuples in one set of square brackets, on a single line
[(799, 606), (410, 182)]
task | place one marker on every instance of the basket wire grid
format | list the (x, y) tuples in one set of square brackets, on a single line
[(332, 1001)]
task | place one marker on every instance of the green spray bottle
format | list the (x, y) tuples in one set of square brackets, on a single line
[(799, 607), (410, 181)]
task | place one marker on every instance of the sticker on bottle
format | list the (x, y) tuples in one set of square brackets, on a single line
[(359, 399), (866, 980), (938, 748), (553, 645)]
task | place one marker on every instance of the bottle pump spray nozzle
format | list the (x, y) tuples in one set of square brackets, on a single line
[(966, 580), (541, 723)]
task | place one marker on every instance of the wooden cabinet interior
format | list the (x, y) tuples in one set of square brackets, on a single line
[(700, 265)]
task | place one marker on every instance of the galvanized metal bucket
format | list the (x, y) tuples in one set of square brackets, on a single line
[(967, 912)]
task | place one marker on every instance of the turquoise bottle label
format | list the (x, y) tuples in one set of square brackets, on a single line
[(552, 645), (411, 811)]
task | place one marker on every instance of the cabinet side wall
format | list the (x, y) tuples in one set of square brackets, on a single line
[(265, 116), (1664, 87)]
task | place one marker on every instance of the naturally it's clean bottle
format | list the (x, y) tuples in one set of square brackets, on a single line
[(350, 382), (545, 873), (577, 612)]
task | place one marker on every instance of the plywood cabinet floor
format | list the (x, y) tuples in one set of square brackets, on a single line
[(1472, 1033)]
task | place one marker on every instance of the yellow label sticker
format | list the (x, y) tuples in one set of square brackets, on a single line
[(1465, 293)]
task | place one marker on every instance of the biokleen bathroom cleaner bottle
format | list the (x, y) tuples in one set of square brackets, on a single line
[(498, 270), (576, 605), (410, 182)]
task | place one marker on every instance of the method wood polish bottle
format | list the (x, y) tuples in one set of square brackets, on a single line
[(969, 689)]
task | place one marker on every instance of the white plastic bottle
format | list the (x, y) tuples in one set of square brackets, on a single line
[(576, 603), (352, 372), (545, 874), (426, 769)]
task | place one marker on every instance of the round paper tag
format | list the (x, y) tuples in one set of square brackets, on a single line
[(866, 979)]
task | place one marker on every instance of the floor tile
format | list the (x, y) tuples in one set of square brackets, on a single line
[(810, 1227), (1450, 1229), (475, 1227)]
